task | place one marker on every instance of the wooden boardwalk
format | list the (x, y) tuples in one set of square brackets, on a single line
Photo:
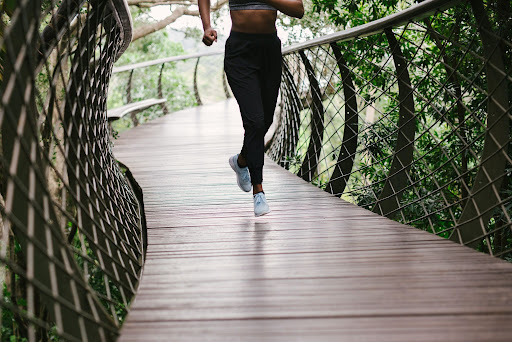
[(315, 269)]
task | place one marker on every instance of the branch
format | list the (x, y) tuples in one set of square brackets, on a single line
[(152, 3), (215, 7), (177, 13), (153, 27)]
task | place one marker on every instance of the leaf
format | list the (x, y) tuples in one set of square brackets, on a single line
[(9, 7)]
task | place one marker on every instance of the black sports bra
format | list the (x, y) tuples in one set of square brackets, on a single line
[(235, 5)]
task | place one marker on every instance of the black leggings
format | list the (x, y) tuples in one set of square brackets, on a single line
[(253, 67)]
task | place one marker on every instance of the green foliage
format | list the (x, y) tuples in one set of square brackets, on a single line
[(311, 25), (8, 322), (153, 46), (435, 148), (175, 87), (8, 6), (194, 33), (351, 13), (450, 113), (96, 277)]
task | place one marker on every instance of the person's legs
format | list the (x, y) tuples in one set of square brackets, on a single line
[(242, 68), (270, 80), (253, 69)]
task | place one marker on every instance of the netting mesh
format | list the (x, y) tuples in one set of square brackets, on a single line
[(412, 122), (72, 246)]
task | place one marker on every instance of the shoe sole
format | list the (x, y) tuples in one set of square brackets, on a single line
[(266, 212), (237, 178)]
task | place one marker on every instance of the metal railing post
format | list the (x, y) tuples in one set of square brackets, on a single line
[(343, 169), (308, 169), (485, 193), (225, 84), (398, 174), (196, 90), (163, 105)]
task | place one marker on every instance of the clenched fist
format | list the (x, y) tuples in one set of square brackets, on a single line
[(209, 36)]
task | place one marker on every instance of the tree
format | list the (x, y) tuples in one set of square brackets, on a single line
[(350, 13), (450, 130), (176, 88), (312, 24), (179, 8)]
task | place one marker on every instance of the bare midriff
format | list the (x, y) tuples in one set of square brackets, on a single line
[(254, 21)]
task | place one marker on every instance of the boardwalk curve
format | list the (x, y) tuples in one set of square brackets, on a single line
[(316, 269)]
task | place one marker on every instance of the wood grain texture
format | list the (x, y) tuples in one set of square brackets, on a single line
[(315, 269)]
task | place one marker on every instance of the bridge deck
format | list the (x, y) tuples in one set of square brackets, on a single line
[(315, 269)]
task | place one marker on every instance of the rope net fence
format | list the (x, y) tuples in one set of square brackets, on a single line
[(72, 234), (409, 117)]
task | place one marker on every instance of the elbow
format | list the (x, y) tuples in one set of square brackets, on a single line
[(295, 10), (300, 12)]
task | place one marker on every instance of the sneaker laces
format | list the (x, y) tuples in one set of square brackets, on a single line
[(258, 198), (245, 175)]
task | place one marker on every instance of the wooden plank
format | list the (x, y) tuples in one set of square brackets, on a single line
[(460, 328), (315, 269)]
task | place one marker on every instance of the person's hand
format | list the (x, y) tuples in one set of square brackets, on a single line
[(209, 36)]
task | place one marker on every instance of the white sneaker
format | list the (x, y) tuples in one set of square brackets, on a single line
[(260, 204), (243, 178)]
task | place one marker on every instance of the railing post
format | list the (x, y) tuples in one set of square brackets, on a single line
[(343, 168), (290, 119), (398, 175), (225, 84), (449, 66), (133, 115), (129, 88), (486, 188), (196, 90), (309, 166), (163, 105)]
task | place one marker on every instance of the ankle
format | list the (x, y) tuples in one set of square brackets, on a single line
[(257, 188), (241, 163)]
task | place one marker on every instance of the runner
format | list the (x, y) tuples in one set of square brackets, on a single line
[(252, 63)]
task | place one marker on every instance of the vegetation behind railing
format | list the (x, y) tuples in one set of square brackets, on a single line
[(183, 81), (409, 116), (72, 238)]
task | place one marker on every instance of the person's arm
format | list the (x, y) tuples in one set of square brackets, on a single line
[(210, 35), (293, 8)]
